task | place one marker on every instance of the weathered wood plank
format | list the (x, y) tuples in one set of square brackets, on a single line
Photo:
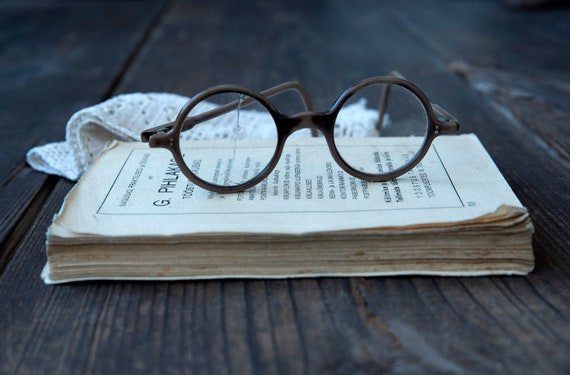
[(487, 34), (50, 69), (21, 199), (342, 325)]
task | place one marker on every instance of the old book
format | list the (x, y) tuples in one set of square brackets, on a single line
[(135, 216)]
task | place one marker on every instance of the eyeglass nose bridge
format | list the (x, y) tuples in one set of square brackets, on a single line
[(315, 121)]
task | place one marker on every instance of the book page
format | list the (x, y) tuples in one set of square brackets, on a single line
[(132, 189)]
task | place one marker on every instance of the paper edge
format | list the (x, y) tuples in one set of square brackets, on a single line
[(46, 270)]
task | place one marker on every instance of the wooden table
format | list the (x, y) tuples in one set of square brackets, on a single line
[(502, 72)]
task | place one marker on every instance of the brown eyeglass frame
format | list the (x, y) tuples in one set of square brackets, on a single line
[(168, 135)]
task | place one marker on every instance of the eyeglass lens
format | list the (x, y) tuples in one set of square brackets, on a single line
[(220, 151), (381, 128)]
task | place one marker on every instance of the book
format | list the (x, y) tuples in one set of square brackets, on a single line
[(133, 215)]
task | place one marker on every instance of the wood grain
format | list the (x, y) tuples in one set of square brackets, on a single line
[(326, 325), (52, 69)]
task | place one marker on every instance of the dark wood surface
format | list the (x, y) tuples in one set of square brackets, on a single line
[(503, 72)]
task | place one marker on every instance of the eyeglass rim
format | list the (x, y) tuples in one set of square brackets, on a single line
[(435, 127), (177, 130), (432, 131)]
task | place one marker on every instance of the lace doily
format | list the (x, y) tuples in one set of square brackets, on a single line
[(125, 116)]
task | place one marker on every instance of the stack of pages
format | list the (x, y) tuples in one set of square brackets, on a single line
[(133, 215)]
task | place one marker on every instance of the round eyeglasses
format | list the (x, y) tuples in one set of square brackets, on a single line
[(229, 138)]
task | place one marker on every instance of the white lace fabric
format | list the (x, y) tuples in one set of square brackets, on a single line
[(125, 116)]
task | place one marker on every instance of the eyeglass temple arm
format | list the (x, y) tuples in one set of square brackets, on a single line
[(272, 91), (290, 86), (448, 124), (384, 100)]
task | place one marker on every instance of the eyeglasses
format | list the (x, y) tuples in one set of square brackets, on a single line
[(228, 138)]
